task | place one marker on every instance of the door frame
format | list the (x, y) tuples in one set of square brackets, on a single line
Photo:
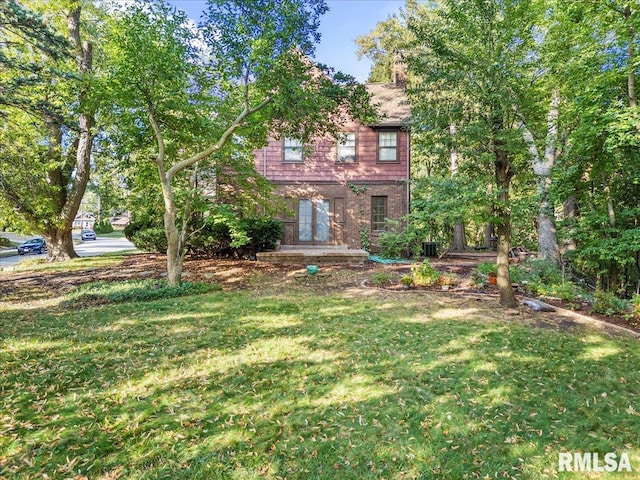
[(314, 219)]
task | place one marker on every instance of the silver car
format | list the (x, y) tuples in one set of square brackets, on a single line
[(88, 235)]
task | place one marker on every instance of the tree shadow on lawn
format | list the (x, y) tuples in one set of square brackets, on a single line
[(239, 386)]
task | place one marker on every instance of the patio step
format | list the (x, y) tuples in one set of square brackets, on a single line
[(298, 254)]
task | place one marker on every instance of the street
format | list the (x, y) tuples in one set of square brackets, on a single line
[(87, 248)]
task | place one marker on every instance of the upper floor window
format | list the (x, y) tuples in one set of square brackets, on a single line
[(347, 147), (292, 150), (387, 146)]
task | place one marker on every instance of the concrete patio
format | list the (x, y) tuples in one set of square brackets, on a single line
[(313, 254)]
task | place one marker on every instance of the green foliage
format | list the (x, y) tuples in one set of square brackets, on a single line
[(449, 279), (635, 305), (540, 271), (146, 236), (398, 241), (47, 103), (381, 279), (544, 279), (607, 303), (365, 238), (424, 274), (229, 236), (406, 280), (485, 268), (220, 233), (103, 226), (567, 291), (132, 291)]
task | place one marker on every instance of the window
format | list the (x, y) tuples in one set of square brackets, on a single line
[(387, 146), (347, 147), (378, 213), (292, 150)]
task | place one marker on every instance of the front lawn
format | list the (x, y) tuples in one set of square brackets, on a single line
[(350, 385)]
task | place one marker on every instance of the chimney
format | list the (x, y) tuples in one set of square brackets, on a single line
[(399, 70)]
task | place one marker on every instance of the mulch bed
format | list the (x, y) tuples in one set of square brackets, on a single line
[(234, 274)]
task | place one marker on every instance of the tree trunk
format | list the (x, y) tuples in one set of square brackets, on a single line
[(58, 234), (547, 235), (503, 228), (613, 269), (59, 244), (459, 238), (631, 59), (175, 256), (489, 232), (459, 234), (569, 212)]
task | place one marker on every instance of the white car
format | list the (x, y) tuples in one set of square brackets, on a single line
[(88, 235)]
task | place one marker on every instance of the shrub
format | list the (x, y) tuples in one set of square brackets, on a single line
[(215, 237), (540, 271), (565, 291), (448, 279), (407, 280), (381, 279), (398, 242), (133, 291), (147, 236), (239, 238), (424, 274), (635, 305), (607, 303), (263, 233), (485, 268), (103, 226)]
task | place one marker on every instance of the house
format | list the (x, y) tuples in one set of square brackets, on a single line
[(84, 220), (341, 191), (119, 223)]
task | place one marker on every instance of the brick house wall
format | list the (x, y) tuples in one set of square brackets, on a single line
[(348, 212)]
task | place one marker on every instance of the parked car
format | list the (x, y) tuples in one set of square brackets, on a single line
[(33, 245), (88, 235)]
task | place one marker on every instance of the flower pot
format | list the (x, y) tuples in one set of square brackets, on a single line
[(493, 280)]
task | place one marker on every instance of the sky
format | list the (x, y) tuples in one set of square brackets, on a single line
[(339, 27)]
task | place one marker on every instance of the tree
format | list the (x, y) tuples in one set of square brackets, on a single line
[(198, 107), (600, 167), (48, 134), (481, 52)]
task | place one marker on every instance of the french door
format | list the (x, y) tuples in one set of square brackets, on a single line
[(314, 221)]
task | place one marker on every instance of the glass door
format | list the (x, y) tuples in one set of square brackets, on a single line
[(305, 221), (314, 221), (323, 232)]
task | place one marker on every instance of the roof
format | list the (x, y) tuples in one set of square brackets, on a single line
[(391, 101)]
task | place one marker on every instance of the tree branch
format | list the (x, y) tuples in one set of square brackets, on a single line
[(221, 142), (159, 140)]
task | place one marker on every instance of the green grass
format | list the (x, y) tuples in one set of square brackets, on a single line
[(114, 234), (41, 265), (246, 386)]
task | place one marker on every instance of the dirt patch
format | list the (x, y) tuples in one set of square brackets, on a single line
[(267, 278)]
